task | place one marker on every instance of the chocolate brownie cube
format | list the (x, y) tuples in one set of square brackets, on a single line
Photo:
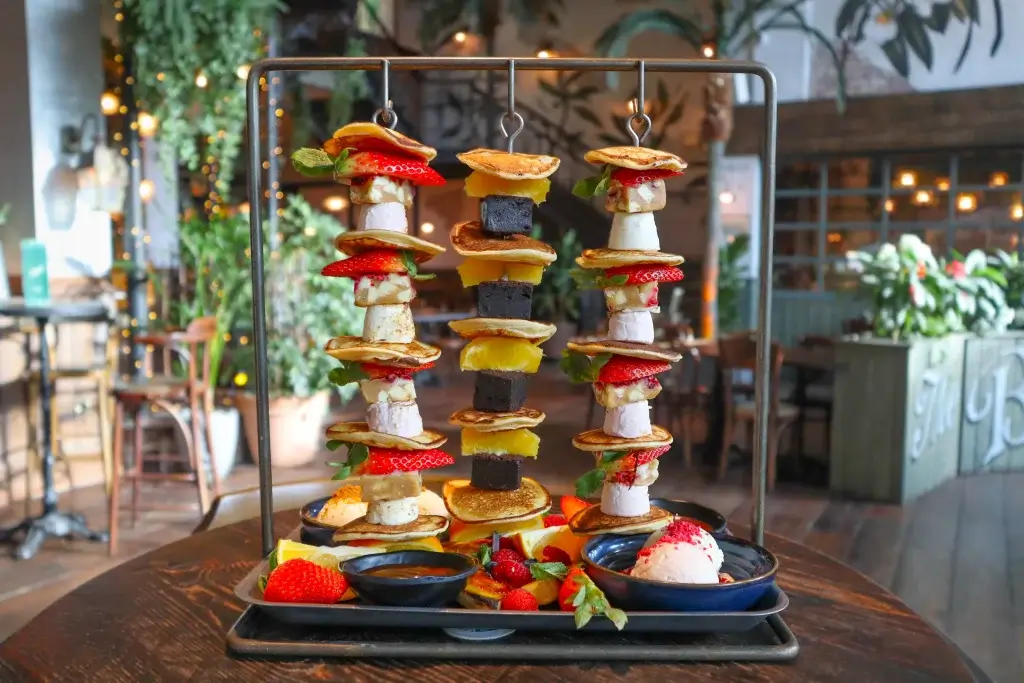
[(504, 299), (505, 215), (498, 392), (496, 472)]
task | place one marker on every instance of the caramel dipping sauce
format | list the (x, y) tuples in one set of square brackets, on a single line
[(703, 525), (409, 571)]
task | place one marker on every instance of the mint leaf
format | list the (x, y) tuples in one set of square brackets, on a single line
[(357, 455), (312, 162), (334, 444), (348, 373), (484, 554), (338, 166), (594, 185), (412, 268), (617, 616), (608, 457), (549, 570), (581, 368), (590, 482), (596, 279)]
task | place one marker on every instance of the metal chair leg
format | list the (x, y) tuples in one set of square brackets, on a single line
[(103, 415), (198, 466), (208, 423), (137, 461), (114, 496)]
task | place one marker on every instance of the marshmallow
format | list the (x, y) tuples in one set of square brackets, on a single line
[(631, 326), (634, 231), (628, 421), (387, 216), (399, 419), (620, 500), (389, 323)]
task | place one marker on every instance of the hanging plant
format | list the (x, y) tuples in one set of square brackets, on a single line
[(188, 60)]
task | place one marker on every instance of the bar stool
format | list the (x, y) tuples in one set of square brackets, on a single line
[(172, 395)]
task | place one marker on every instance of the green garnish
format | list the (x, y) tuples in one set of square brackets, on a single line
[(590, 600), (357, 455), (347, 374), (262, 583), (591, 481), (334, 445), (596, 279), (594, 185), (581, 368), (548, 570), (483, 555), (412, 269), (317, 163)]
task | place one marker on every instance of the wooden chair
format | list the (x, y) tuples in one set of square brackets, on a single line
[(814, 392), (683, 397), (739, 353), (172, 395)]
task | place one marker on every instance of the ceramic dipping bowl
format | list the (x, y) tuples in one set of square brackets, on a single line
[(704, 517), (753, 568), (423, 591)]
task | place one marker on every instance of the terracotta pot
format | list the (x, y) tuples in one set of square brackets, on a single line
[(296, 427)]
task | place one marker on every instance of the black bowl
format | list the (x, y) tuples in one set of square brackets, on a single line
[(426, 591), (714, 521), (607, 557)]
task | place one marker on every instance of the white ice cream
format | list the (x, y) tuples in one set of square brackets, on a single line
[(628, 421), (681, 553), (634, 231), (396, 288), (400, 419), (387, 216), (380, 390), (620, 500), (389, 323), (632, 326), (393, 512)]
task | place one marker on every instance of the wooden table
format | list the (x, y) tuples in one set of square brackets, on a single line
[(164, 616)]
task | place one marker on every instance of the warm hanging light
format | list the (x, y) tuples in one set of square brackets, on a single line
[(335, 203), (201, 80), (998, 179), (923, 197), (708, 50), (906, 179), (543, 54), (1017, 211), (243, 71), (726, 197), (942, 184), (147, 124), (109, 103), (243, 207), (426, 228), (966, 202), (890, 205), (459, 37), (146, 190)]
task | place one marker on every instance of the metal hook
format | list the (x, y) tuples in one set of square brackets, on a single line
[(386, 114), (639, 114), (511, 114)]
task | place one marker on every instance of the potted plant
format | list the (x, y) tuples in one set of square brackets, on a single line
[(305, 310), (555, 299)]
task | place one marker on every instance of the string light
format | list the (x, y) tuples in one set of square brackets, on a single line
[(922, 197), (543, 54), (335, 203), (459, 37), (998, 179), (201, 80), (1017, 211), (966, 202), (942, 184), (890, 205), (109, 103), (708, 50), (243, 71), (907, 179), (426, 228)]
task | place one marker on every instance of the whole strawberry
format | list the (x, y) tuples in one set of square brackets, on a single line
[(303, 581), (507, 554), (519, 600), (515, 574)]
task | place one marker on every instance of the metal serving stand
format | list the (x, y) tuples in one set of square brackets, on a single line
[(253, 634)]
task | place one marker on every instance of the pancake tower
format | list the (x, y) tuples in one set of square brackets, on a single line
[(387, 451), (624, 367), (504, 263)]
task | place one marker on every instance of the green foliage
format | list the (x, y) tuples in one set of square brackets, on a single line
[(173, 41), (439, 19), (5, 211), (731, 283), (980, 295), (555, 298), (1012, 269), (581, 368)]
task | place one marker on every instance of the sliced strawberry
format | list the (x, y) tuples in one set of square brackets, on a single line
[(638, 275), (627, 471), (391, 372), (623, 369), (371, 262), (631, 178), (391, 164), (391, 460)]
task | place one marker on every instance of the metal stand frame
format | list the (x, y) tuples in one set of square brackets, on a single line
[(266, 66)]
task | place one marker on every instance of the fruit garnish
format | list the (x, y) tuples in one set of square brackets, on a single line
[(555, 520), (581, 596), (370, 262), (521, 442), (349, 372), (357, 455), (641, 274), (531, 544), (473, 271), (572, 506), (623, 369), (725, 578), (500, 353), (318, 163), (581, 368), (627, 461), (482, 185), (484, 588), (302, 581), (588, 278), (545, 591), (631, 178), (515, 574), (594, 185), (431, 544), (554, 554), (350, 164), (388, 461), (520, 600), (461, 532), (506, 554)]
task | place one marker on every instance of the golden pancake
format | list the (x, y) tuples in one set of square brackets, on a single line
[(423, 526), (624, 348), (469, 240), (471, 328), (359, 432), (406, 354), (359, 132), (470, 504), (614, 258), (596, 440), (356, 241), (510, 166), (592, 522), (636, 158), (483, 421)]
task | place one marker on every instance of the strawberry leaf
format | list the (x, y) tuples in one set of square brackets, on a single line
[(586, 278), (338, 166), (608, 457), (581, 368), (412, 268), (262, 583), (272, 560), (357, 455), (594, 185), (548, 570), (583, 617), (347, 374), (617, 616), (590, 482), (334, 444), (483, 555), (312, 162)]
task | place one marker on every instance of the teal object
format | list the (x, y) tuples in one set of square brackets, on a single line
[(35, 279)]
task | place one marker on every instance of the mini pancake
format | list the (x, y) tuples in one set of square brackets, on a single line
[(356, 241), (497, 422), (636, 158), (614, 258), (359, 432), (510, 166), (469, 240), (423, 526), (472, 505), (471, 328), (358, 133), (411, 354), (591, 521), (624, 348), (596, 440)]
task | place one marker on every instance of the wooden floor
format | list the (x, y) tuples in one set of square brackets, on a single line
[(956, 555)]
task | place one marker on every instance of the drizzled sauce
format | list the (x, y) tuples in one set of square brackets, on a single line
[(409, 571)]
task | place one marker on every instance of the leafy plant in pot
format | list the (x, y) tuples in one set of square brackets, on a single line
[(305, 310), (556, 297)]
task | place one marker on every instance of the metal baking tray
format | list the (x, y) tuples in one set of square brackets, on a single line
[(365, 615), (257, 634)]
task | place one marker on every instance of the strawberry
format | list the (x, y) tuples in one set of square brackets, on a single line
[(371, 262), (581, 596), (515, 574), (632, 178), (624, 370), (303, 581), (519, 600), (554, 520), (390, 372), (506, 543), (507, 554), (373, 163), (567, 593), (391, 460), (638, 275), (637, 458), (552, 553), (571, 506)]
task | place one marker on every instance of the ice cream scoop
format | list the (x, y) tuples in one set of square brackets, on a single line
[(681, 553)]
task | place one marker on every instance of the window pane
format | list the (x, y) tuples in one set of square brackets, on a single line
[(933, 237), (994, 168), (838, 242), (795, 275), (914, 171), (839, 277), (802, 243), (796, 209), (855, 173), (987, 239), (798, 176), (855, 209)]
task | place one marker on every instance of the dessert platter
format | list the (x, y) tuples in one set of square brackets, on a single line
[(493, 565)]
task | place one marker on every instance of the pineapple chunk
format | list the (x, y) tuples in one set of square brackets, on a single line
[(474, 271), (524, 272), (500, 353), (520, 442), (395, 288), (639, 199), (617, 395), (631, 297), (381, 390), (482, 185)]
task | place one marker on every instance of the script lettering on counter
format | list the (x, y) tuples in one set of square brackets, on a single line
[(934, 410), (992, 396)]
